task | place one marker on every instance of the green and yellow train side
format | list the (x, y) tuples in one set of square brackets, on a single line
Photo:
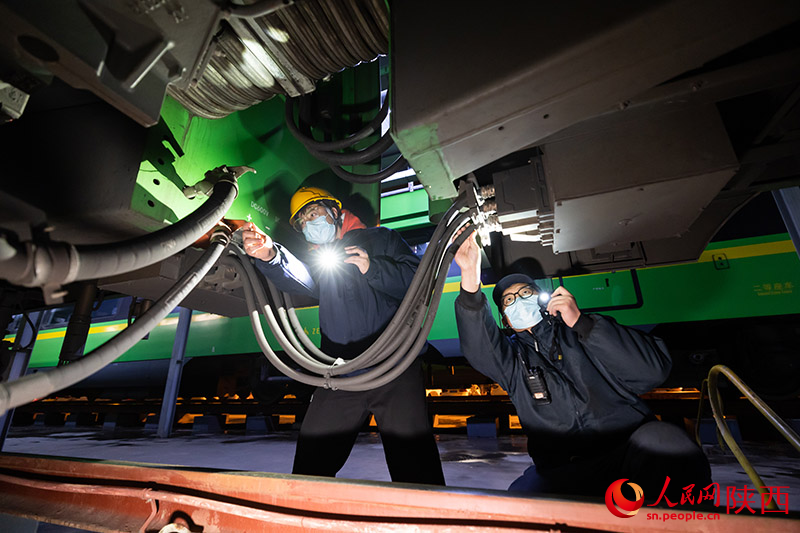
[(744, 278)]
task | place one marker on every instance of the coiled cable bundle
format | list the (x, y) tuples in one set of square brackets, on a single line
[(392, 352), (327, 151)]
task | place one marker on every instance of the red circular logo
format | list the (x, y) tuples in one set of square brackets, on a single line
[(618, 504)]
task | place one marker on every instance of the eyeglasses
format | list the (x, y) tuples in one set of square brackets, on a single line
[(307, 214), (511, 298)]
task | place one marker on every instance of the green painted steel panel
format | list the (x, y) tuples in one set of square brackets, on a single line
[(255, 137), (404, 205)]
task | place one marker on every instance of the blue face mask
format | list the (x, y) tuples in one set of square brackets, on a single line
[(319, 231), (524, 313)]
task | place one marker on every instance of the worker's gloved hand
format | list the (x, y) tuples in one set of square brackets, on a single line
[(256, 243), (468, 259), (563, 304)]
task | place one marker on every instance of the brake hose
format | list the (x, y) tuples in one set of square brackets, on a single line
[(28, 388), (48, 264)]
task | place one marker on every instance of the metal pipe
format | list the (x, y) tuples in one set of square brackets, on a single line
[(716, 408), (23, 347), (173, 384), (79, 323)]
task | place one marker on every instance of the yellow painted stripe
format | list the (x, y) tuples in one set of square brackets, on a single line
[(735, 252), (751, 250), (111, 328), (742, 252), (452, 286), (455, 286)]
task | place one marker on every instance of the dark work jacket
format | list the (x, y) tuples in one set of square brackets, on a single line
[(354, 308), (594, 387)]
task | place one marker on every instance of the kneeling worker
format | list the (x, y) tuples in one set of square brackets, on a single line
[(574, 380), (357, 299)]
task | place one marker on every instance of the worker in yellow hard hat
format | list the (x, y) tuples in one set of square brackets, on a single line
[(358, 291)]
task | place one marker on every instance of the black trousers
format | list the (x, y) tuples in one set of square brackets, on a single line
[(334, 419), (652, 452)]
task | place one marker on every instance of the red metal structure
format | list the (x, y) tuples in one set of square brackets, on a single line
[(107, 496)]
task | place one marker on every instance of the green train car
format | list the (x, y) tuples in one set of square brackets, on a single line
[(586, 148), (738, 305)]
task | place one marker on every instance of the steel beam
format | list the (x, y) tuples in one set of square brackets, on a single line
[(23, 346), (533, 68), (167, 417), (788, 201), (101, 496)]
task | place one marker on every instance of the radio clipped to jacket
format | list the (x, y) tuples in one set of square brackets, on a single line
[(534, 379)]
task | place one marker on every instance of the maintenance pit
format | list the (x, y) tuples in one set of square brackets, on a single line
[(474, 467)]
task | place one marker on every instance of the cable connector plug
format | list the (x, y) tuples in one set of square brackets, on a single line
[(214, 176)]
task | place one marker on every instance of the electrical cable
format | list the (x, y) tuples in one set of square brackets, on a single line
[(391, 336), (28, 388), (358, 157), (329, 146), (396, 347), (399, 164), (326, 151)]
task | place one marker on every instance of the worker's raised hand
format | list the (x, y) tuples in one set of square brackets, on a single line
[(358, 257), (468, 259), (561, 301), (257, 243)]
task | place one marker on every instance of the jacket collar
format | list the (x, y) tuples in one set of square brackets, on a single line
[(539, 332), (350, 222)]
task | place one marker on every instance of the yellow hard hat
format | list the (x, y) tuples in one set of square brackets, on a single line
[(307, 195)]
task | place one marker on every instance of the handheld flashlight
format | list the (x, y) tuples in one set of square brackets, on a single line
[(329, 257), (544, 299)]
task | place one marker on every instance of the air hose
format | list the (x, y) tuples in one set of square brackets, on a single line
[(90, 261), (397, 346), (52, 264), (33, 386)]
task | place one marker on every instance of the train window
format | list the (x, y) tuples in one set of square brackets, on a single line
[(58, 317), (107, 309), (12, 327)]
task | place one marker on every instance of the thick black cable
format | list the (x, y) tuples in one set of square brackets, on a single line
[(400, 366), (359, 157), (103, 260), (419, 295), (328, 146), (399, 164), (389, 367), (324, 151)]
